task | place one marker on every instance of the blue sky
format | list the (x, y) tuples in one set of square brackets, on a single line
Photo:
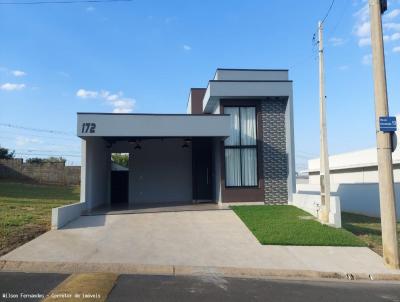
[(143, 56)]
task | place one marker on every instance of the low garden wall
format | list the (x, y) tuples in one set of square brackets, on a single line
[(63, 215), (46, 173), (311, 203)]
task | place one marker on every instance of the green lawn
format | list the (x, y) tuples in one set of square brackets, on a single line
[(288, 225), (25, 210), (368, 229)]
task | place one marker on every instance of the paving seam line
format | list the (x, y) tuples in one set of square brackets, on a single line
[(181, 270)]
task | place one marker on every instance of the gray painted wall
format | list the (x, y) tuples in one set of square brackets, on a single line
[(97, 173), (252, 75), (153, 125), (161, 172)]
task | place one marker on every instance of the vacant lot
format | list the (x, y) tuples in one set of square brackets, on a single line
[(288, 225), (368, 229), (25, 210)]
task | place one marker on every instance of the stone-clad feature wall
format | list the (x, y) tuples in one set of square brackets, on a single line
[(274, 150), (46, 173)]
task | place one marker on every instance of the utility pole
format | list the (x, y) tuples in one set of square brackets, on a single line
[(324, 158), (385, 165)]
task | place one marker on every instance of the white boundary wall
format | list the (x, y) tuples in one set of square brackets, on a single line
[(354, 178), (311, 203)]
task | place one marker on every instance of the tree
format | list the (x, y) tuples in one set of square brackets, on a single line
[(52, 159), (6, 154), (121, 159), (37, 160)]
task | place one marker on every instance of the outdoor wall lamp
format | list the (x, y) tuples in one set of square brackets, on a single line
[(186, 142)]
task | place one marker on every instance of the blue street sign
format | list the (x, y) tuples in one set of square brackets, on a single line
[(387, 123)]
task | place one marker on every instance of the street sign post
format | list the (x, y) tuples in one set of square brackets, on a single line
[(387, 124)]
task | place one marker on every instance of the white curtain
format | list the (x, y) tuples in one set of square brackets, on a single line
[(241, 163), (248, 126), (232, 162), (249, 167), (234, 138)]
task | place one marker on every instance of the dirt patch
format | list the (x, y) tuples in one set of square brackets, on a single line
[(21, 236)]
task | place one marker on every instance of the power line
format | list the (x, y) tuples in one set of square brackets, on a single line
[(315, 42), (47, 151), (328, 12), (37, 129), (37, 135), (46, 154), (61, 2), (344, 11)]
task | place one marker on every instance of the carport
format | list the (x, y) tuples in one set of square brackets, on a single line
[(174, 159)]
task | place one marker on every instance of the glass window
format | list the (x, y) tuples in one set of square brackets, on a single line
[(241, 148)]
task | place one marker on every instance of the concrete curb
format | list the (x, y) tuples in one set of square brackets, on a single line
[(182, 270)]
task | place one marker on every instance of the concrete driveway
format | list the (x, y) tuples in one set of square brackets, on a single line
[(215, 238)]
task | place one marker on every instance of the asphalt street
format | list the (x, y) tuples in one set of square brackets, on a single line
[(27, 286), (214, 288), (208, 288)]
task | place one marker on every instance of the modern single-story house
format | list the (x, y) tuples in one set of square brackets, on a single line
[(234, 144)]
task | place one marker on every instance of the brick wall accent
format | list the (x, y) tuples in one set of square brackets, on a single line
[(274, 151), (46, 173)]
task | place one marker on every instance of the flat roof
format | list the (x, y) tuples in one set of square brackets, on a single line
[(155, 114), (250, 69)]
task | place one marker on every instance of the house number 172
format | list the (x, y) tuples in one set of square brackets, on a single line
[(88, 127)]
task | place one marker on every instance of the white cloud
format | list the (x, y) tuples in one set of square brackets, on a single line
[(23, 141), (12, 86), (86, 94), (63, 74), (169, 20), (392, 14), (367, 59), (337, 41), (363, 29), (392, 26), (396, 49), (18, 73), (395, 37), (187, 47), (367, 41), (343, 67), (120, 103), (364, 42), (363, 13)]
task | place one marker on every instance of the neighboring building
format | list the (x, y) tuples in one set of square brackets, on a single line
[(354, 178), (235, 144)]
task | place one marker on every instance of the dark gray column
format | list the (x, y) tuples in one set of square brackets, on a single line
[(275, 161)]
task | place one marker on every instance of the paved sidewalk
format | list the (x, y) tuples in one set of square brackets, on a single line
[(193, 238)]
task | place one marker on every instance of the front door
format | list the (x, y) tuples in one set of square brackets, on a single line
[(202, 170), (119, 187)]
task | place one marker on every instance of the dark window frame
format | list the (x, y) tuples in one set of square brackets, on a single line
[(240, 147)]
